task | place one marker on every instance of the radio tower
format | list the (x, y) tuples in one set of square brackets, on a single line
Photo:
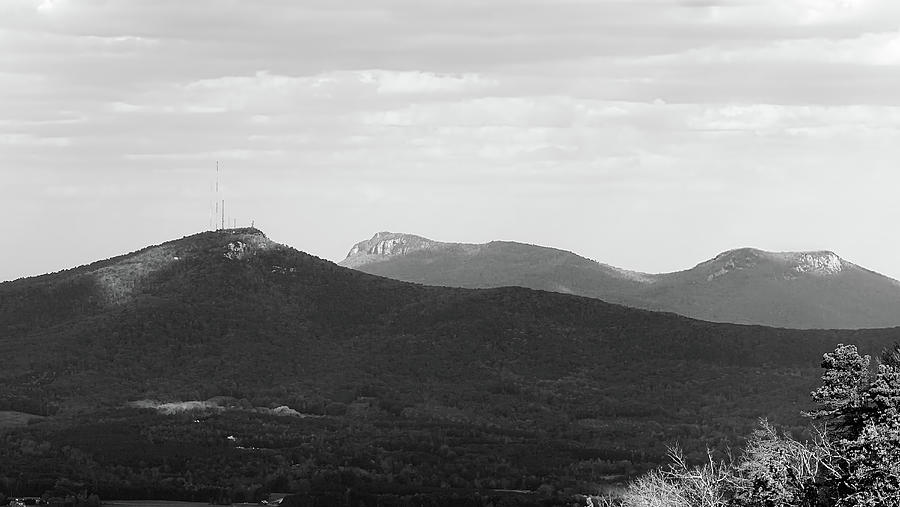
[(216, 215), (218, 220)]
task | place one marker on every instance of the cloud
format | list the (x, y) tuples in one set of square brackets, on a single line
[(26, 140), (416, 82), (876, 49), (802, 13), (578, 109)]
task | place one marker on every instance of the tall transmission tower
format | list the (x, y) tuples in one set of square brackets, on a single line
[(216, 215), (218, 220)]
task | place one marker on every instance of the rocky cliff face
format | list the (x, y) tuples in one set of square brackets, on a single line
[(385, 245), (390, 243)]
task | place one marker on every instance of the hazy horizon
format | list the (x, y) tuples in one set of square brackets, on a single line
[(649, 135)]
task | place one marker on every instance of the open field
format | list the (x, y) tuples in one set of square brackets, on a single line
[(12, 419), (152, 503), (164, 503)]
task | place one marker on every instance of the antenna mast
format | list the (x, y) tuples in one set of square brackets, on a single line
[(216, 216)]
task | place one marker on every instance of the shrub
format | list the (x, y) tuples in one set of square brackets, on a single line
[(681, 486), (777, 470)]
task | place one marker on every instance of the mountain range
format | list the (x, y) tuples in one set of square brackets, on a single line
[(294, 373), (802, 290)]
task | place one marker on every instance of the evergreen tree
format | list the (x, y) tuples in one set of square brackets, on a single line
[(891, 355), (842, 397), (864, 408)]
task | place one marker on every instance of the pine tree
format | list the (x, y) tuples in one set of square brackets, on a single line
[(863, 408), (842, 396)]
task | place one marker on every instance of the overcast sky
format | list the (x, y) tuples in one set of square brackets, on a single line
[(647, 134)]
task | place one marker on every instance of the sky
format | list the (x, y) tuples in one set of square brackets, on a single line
[(646, 134)]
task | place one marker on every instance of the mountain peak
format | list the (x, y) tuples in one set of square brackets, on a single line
[(792, 264), (391, 243), (386, 244), (118, 278)]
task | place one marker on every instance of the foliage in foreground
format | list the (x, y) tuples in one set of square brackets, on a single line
[(854, 460)]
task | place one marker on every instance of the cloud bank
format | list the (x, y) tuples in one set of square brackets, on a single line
[(615, 129)]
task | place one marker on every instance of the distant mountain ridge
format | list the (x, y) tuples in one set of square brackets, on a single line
[(804, 290)]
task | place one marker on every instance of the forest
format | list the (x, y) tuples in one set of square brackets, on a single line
[(393, 388), (850, 456)]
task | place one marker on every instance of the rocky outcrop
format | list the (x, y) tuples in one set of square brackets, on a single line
[(391, 243), (792, 265), (385, 245)]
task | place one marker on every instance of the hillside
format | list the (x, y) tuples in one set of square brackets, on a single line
[(313, 377), (801, 290)]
